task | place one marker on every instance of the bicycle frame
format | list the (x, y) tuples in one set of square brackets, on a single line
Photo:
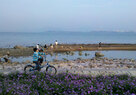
[(46, 65)]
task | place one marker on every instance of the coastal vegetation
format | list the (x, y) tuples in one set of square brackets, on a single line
[(66, 83)]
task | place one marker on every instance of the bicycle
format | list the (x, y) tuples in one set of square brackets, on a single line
[(47, 68)]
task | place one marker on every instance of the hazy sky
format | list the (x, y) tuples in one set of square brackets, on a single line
[(67, 15)]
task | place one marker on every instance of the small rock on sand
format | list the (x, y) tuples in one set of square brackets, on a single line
[(98, 54)]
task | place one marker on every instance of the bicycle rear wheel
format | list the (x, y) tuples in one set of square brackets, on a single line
[(28, 68), (51, 70)]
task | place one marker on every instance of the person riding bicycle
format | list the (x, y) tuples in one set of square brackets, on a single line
[(36, 58), (41, 54), (47, 67)]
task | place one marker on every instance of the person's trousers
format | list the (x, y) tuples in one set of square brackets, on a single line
[(37, 63)]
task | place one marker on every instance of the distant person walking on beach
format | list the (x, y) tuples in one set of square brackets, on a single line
[(51, 45), (45, 46), (100, 44), (56, 42), (37, 46)]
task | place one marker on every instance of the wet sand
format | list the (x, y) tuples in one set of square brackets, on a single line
[(28, 51)]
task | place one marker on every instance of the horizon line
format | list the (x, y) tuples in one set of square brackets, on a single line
[(117, 31)]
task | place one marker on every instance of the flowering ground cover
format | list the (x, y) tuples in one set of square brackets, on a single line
[(40, 83)]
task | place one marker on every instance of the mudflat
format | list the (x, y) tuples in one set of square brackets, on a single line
[(27, 51)]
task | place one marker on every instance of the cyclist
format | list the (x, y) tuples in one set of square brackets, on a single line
[(35, 58), (41, 54)]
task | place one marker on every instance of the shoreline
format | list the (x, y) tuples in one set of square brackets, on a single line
[(28, 51)]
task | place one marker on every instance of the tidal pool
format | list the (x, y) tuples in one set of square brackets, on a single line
[(81, 54)]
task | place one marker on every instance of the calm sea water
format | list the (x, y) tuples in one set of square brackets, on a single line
[(30, 39)]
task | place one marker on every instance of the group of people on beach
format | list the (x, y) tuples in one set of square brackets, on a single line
[(51, 45)]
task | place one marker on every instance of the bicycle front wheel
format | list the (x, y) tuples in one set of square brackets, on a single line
[(28, 68), (51, 70)]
